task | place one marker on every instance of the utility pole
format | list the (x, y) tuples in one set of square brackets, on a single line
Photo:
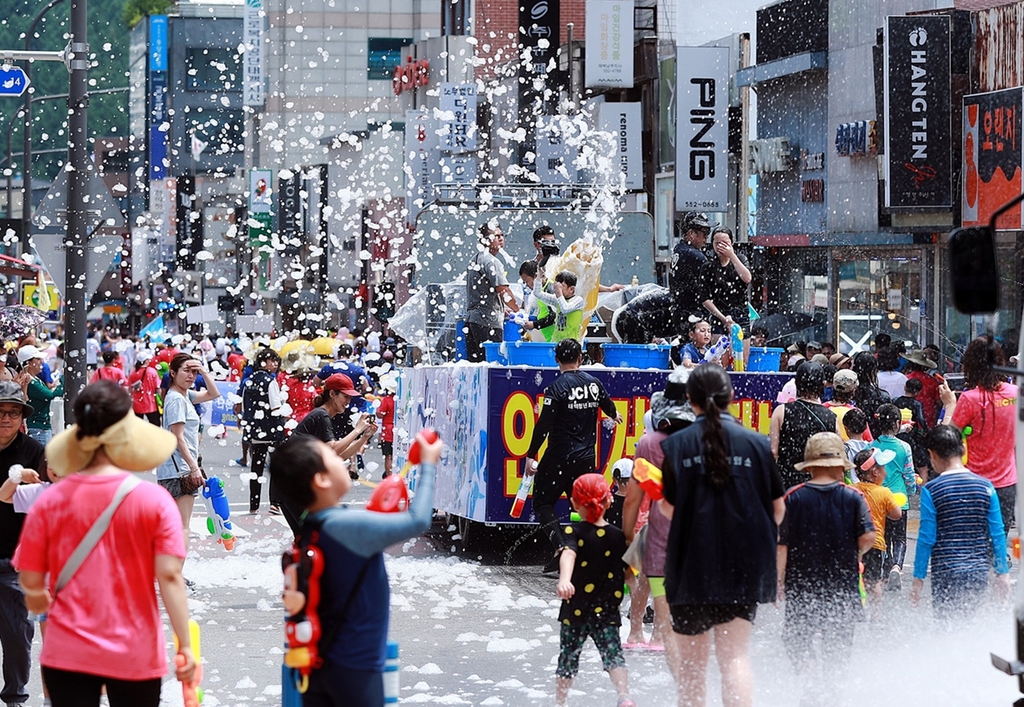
[(77, 215)]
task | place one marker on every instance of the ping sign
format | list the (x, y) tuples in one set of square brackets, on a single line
[(13, 81)]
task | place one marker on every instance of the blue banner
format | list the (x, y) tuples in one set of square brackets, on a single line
[(157, 129), (158, 43)]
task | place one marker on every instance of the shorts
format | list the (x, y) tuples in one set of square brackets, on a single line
[(874, 561), (387, 448), (657, 586), (173, 487), (695, 619), (573, 636)]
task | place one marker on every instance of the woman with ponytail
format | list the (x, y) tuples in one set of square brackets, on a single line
[(726, 492), (986, 413)]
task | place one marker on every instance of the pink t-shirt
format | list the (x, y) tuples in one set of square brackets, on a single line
[(105, 621), (990, 446)]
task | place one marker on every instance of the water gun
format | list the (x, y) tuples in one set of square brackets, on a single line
[(521, 495), (736, 339), (965, 434), (392, 495), (218, 513), (191, 693), (715, 353), (649, 477), (303, 568)]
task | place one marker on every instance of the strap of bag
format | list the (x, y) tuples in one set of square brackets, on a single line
[(96, 532)]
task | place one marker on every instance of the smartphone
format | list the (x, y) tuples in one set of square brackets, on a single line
[(955, 381)]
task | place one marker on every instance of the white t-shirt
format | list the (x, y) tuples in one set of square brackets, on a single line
[(892, 382)]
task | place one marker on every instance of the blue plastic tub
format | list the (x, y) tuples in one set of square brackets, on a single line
[(530, 353), (636, 355), (764, 359), (492, 353), (460, 340), (512, 332)]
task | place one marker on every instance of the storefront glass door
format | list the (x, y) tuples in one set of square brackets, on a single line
[(878, 294)]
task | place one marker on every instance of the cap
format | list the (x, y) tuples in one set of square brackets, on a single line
[(824, 449), (820, 359), (697, 219), (144, 356), (623, 468), (29, 352), (814, 345), (341, 382), (845, 380)]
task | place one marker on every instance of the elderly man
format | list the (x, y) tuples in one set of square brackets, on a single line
[(16, 447)]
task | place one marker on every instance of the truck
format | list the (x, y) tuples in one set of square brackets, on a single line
[(974, 282)]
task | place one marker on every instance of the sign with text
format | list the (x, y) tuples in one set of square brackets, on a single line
[(158, 121), (456, 117), (917, 112), (623, 121), (539, 38), (702, 129), (489, 430), (609, 60), (422, 157), (992, 157), (253, 90)]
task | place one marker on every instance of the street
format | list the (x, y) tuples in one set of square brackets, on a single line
[(475, 629)]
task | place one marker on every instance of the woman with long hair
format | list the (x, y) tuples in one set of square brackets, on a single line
[(986, 412), (869, 395), (182, 419), (104, 625), (797, 421), (726, 493)]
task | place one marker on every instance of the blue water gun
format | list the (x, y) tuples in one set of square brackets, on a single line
[(715, 353), (218, 512)]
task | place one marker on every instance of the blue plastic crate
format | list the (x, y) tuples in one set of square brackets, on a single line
[(636, 355), (764, 359), (531, 353)]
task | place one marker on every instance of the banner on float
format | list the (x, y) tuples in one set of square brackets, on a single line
[(917, 112), (609, 35), (992, 157), (486, 416), (702, 129)]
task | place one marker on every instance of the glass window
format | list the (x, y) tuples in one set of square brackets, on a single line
[(216, 132), (383, 55), (212, 69), (879, 293)]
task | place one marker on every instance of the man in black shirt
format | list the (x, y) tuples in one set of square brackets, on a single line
[(687, 263), (572, 401), (15, 628)]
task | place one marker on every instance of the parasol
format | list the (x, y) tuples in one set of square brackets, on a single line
[(18, 319), (325, 345)]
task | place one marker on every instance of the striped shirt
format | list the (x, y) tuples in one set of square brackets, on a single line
[(961, 527)]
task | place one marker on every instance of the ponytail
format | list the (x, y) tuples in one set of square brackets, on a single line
[(710, 389)]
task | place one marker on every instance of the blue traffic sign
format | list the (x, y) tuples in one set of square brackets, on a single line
[(13, 81)]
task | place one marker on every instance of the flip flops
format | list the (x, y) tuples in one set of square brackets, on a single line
[(626, 702), (635, 646)]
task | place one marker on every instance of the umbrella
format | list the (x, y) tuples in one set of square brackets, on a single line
[(782, 324), (299, 345), (18, 319), (325, 345)]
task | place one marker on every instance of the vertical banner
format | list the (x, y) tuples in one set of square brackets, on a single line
[(290, 224), (456, 117), (556, 158), (992, 157), (539, 38), (261, 219), (623, 121), (189, 223), (609, 43), (157, 97), (702, 129), (422, 156), (917, 112), (253, 91)]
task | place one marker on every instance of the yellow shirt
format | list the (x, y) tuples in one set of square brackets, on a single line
[(880, 503)]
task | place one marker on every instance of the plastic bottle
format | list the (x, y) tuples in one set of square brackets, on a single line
[(635, 282), (391, 682), (521, 495)]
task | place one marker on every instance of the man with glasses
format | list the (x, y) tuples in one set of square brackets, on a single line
[(487, 293), (16, 629)]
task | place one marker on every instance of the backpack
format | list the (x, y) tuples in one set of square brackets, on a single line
[(303, 567)]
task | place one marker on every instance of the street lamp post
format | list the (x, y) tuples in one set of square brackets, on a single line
[(77, 216), (26, 168)]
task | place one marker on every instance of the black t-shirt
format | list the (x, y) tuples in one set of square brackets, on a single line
[(32, 455), (721, 545), (802, 420), (724, 286), (821, 529), (316, 424), (684, 278), (568, 418), (598, 575)]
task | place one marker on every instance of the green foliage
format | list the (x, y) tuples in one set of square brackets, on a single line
[(108, 114), (136, 10)]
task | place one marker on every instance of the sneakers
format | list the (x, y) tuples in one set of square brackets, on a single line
[(189, 584), (895, 580), (275, 510)]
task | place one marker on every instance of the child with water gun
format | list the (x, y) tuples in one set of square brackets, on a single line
[(870, 468), (346, 666), (700, 340), (900, 478)]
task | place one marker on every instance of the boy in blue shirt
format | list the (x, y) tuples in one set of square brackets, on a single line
[(961, 531)]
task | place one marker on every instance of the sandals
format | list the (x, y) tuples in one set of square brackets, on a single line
[(635, 646), (626, 702)]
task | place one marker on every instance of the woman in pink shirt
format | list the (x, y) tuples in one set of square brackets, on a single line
[(104, 625), (988, 407)]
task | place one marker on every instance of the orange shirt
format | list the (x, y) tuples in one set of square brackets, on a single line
[(880, 503)]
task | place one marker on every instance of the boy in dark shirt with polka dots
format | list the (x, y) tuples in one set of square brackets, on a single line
[(590, 581)]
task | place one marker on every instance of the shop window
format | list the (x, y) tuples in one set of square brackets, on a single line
[(218, 132), (383, 55), (212, 69)]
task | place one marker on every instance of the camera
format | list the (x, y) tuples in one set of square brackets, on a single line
[(549, 248)]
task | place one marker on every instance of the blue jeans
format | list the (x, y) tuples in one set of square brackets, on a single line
[(41, 436), (15, 637)]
